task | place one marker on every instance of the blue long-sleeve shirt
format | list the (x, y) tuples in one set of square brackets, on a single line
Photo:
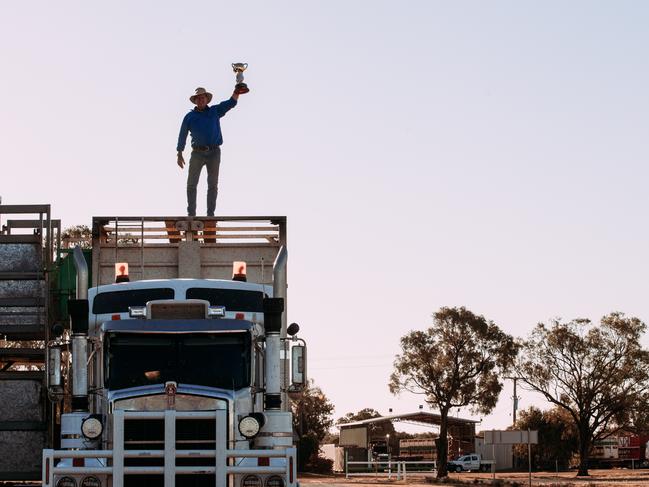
[(204, 126)]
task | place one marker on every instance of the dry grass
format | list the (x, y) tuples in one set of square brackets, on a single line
[(597, 478)]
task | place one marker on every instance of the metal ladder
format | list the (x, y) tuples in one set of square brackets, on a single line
[(26, 257)]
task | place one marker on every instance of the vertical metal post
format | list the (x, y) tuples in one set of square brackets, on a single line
[(346, 464), (43, 274), (142, 248), (170, 448), (116, 237), (529, 456), (118, 448), (48, 466), (220, 447), (58, 243), (493, 455), (290, 466)]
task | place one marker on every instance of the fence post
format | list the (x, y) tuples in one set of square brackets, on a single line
[(346, 464)]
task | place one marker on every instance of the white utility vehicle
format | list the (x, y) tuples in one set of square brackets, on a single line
[(472, 462)]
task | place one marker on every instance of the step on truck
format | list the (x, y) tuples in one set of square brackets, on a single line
[(177, 363)]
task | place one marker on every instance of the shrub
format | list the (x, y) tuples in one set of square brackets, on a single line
[(320, 465)]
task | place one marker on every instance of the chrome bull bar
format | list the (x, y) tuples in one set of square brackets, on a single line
[(220, 454)]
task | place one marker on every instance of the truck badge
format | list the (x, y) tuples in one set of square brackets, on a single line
[(170, 391)]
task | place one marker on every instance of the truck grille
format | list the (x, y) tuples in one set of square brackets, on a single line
[(158, 481), (149, 434)]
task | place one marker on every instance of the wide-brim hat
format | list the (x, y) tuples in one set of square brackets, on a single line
[(200, 91)]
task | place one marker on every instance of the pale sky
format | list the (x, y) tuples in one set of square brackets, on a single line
[(491, 154)]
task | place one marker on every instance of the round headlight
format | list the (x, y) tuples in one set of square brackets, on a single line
[(91, 428), (66, 482), (251, 481), (249, 426), (90, 481), (274, 481)]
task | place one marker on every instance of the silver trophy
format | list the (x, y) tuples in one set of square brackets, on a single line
[(240, 87)]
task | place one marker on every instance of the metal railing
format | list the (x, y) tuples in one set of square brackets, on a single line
[(114, 459), (398, 468), (190, 247)]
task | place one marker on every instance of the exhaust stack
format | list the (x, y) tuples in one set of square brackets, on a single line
[(273, 308), (275, 326), (279, 282), (279, 291), (78, 310), (82, 273)]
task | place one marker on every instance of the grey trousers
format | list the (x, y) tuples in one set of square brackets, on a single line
[(211, 160)]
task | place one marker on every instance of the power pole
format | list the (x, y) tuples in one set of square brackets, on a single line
[(514, 410), (515, 402), (515, 399)]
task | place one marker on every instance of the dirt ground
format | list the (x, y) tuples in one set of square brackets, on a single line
[(623, 477)]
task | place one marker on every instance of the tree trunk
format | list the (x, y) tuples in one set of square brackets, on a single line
[(584, 452), (442, 445)]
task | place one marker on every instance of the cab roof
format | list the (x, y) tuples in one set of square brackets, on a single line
[(180, 284), (223, 325)]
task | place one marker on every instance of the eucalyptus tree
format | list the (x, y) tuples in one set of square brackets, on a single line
[(598, 374), (557, 437), (312, 418), (458, 362)]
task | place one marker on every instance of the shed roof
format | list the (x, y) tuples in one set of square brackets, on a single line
[(421, 417)]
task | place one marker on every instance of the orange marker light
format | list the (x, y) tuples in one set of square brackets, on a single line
[(239, 269), (121, 272)]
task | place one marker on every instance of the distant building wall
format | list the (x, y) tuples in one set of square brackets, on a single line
[(334, 453), (504, 453)]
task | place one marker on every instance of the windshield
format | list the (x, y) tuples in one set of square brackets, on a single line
[(213, 360), (232, 299), (119, 301)]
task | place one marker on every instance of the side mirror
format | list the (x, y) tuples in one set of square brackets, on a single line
[(298, 366), (54, 380)]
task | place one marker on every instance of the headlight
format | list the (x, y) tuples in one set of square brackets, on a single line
[(91, 482), (66, 482), (249, 426), (91, 428), (274, 481), (251, 481)]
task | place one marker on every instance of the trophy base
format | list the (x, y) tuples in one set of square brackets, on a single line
[(241, 88)]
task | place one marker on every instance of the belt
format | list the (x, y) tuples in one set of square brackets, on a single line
[(204, 148)]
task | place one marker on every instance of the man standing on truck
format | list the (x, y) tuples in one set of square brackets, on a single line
[(203, 123)]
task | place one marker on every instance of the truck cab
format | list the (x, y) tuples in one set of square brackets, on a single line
[(178, 380)]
